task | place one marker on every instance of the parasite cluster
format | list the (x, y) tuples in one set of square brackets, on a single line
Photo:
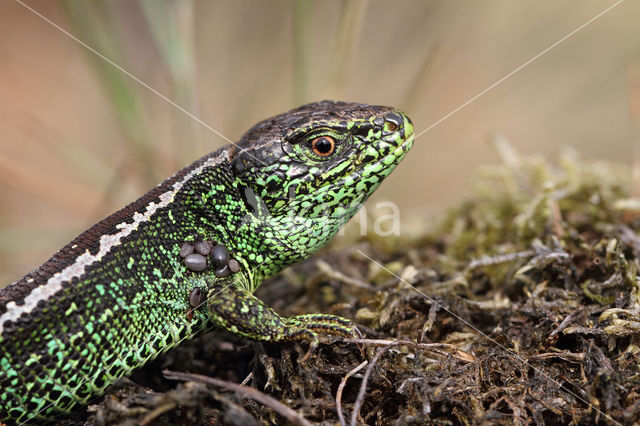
[(202, 255)]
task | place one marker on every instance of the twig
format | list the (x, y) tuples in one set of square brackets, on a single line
[(566, 356), (365, 379), (247, 379), (157, 412), (245, 392), (555, 216), (568, 320), (499, 258), (343, 383), (440, 348), (337, 275)]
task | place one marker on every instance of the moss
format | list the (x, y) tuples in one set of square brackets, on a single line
[(530, 289)]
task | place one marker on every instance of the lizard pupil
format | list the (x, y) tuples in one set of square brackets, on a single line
[(323, 146)]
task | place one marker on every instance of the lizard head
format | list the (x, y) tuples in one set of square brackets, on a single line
[(310, 169)]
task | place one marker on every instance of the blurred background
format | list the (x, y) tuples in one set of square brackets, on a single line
[(79, 139)]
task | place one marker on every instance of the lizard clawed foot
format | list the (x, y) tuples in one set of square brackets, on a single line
[(240, 312), (311, 326), (312, 348)]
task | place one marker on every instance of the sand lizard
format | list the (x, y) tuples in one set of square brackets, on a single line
[(189, 254)]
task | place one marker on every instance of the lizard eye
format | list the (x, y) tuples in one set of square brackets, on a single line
[(323, 146), (318, 145)]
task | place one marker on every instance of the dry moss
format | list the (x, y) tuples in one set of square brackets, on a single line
[(530, 289)]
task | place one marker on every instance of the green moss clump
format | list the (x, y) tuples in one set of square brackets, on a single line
[(520, 307)]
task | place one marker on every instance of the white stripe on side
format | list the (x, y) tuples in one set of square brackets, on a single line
[(107, 242)]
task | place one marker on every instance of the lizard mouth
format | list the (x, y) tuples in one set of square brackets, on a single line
[(374, 164), (408, 136)]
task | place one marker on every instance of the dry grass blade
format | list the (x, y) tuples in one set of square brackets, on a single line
[(96, 26), (343, 383), (172, 26), (157, 412), (440, 348), (351, 24), (245, 392), (302, 12), (634, 112), (363, 386)]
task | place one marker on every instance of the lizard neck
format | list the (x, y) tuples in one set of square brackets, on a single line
[(269, 243)]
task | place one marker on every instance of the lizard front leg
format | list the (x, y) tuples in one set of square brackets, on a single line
[(241, 312)]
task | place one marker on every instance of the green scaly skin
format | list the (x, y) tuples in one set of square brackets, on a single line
[(118, 295)]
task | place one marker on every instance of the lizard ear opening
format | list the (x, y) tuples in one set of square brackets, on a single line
[(237, 166), (254, 204), (250, 199)]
